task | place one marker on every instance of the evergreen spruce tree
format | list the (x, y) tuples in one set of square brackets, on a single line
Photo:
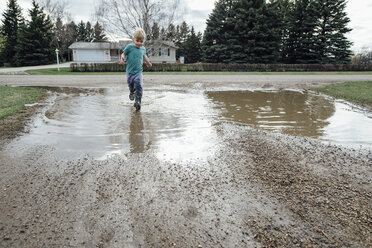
[(218, 32), (71, 32), (82, 34), (177, 38), (89, 32), (234, 40), (171, 34), (2, 47), (35, 39), (243, 31), (59, 36), (183, 32), (155, 31), (284, 8), (71, 37), (301, 44), (98, 34), (275, 12), (12, 17), (162, 32), (256, 32), (268, 40), (192, 47), (332, 46), (181, 37)]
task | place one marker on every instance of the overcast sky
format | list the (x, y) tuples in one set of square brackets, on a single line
[(197, 11)]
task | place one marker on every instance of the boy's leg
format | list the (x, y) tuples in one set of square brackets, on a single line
[(130, 81), (138, 89)]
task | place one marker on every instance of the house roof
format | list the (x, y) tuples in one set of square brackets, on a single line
[(162, 42), (90, 45), (99, 45), (116, 45)]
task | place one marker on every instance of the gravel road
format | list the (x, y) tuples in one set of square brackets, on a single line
[(257, 189), (164, 81)]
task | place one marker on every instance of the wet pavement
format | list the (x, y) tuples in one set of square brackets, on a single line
[(181, 125)]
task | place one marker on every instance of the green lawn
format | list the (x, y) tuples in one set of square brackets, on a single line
[(54, 71), (13, 99), (360, 92), (66, 71)]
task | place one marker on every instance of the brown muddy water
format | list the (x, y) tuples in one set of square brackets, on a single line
[(299, 113), (181, 125)]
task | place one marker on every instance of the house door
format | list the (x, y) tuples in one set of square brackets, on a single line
[(90, 56)]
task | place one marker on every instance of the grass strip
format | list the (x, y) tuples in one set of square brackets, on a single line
[(360, 92), (13, 99)]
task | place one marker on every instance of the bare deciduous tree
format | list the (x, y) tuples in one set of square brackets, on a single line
[(363, 57), (121, 17), (56, 9)]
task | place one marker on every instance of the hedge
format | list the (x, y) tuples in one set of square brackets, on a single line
[(210, 67)]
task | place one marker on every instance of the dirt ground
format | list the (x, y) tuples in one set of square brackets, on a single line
[(258, 189)]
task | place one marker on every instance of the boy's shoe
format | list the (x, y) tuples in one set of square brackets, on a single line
[(137, 106), (131, 96), (137, 103)]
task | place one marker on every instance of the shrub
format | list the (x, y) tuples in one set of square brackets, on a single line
[(212, 67)]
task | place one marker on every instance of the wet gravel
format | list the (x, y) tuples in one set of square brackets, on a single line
[(259, 190)]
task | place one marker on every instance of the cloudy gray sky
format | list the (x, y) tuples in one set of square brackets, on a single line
[(197, 11)]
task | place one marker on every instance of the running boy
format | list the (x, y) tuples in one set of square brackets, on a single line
[(133, 55)]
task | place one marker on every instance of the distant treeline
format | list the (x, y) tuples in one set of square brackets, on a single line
[(277, 31), (210, 67), (237, 32), (34, 42)]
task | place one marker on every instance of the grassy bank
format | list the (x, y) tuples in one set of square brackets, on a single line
[(360, 92), (13, 99), (67, 71)]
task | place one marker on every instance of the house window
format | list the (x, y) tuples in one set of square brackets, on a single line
[(164, 51), (114, 52)]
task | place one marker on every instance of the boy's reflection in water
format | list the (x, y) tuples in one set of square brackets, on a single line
[(136, 134)]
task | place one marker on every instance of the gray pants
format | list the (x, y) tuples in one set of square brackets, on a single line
[(135, 85)]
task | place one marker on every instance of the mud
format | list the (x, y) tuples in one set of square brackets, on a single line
[(299, 113), (248, 187), (12, 126)]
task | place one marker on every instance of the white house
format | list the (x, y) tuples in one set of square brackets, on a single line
[(161, 51), (96, 51), (158, 51)]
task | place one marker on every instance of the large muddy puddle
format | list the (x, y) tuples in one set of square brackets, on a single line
[(297, 113), (182, 125), (102, 122)]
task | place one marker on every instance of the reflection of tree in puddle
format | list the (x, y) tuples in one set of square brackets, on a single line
[(285, 111)]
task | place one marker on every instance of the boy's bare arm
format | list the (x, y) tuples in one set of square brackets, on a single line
[(148, 63), (122, 58)]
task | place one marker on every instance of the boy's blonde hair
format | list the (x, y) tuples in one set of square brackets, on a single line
[(139, 34)]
